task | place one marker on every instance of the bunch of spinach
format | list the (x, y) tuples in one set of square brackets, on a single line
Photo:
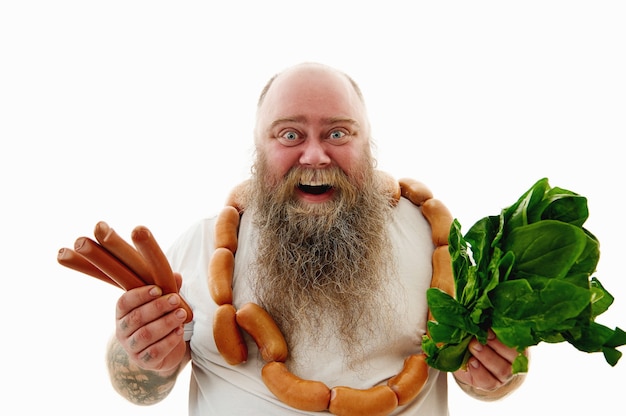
[(526, 274)]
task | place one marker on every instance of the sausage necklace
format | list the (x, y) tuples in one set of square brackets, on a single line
[(310, 395)]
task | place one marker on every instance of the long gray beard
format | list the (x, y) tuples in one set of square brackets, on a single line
[(323, 270)]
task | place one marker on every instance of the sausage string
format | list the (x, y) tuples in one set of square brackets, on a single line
[(312, 395)]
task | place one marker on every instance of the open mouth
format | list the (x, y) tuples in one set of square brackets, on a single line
[(314, 189), (318, 184)]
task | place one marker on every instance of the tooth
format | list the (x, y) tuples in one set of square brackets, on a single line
[(313, 179), (313, 183)]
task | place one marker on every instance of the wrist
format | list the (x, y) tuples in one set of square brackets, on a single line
[(493, 394)]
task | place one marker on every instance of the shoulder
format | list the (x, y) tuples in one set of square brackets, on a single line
[(196, 239), (410, 233), (408, 217)]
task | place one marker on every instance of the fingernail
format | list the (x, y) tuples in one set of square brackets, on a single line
[(181, 314), (155, 291), (173, 300), (474, 363), (477, 346)]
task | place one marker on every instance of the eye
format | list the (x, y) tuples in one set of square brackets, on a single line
[(290, 136), (337, 135)]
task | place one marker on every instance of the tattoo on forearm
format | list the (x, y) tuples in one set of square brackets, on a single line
[(135, 384)]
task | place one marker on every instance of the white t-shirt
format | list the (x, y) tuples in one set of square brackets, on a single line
[(218, 388)]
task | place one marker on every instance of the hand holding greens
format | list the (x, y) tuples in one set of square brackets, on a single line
[(526, 274)]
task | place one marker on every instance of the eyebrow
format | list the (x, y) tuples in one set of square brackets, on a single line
[(303, 119)]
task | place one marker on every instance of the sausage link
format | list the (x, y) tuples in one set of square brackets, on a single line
[(126, 253), (158, 264), (221, 268), (71, 259), (228, 338), (109, 264), (307, 395), (408, 383), (443, 277), (226, 227), (414, 191), (262, 328), (440, 220), (375, 401), (155, 259)]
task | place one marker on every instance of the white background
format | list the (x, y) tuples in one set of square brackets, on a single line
[(140, 112)]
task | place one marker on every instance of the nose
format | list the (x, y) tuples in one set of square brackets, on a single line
[(314, 154)]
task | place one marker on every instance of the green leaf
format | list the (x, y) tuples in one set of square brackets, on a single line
[(611, 355), (449, 357), (548, 248), (513, 333), (547, 303), (601, 299), (461, 260), (445, 333), (505, 266), (617, 339), (446, 310), (585, 263), (479, 237), (563, 205), (517, 214), (596, 337), (520, 364)]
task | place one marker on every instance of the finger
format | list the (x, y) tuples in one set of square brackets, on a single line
[(463, 376), (476, 376), (486, 360), (152, 335), (163, 355), (134, 298), (147, 313), (506, 352)]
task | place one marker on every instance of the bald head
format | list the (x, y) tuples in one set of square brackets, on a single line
[(311, 66)]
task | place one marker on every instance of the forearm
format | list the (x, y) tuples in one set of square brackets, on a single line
[(139, 386)]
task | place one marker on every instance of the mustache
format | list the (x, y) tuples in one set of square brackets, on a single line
[(346, 188), (332, 176)]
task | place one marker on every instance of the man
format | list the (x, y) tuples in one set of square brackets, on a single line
[(342, 271)]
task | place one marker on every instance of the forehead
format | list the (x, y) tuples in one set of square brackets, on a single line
[(311, 92)]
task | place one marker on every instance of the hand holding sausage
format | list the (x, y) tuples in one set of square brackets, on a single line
[(149, 327)]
